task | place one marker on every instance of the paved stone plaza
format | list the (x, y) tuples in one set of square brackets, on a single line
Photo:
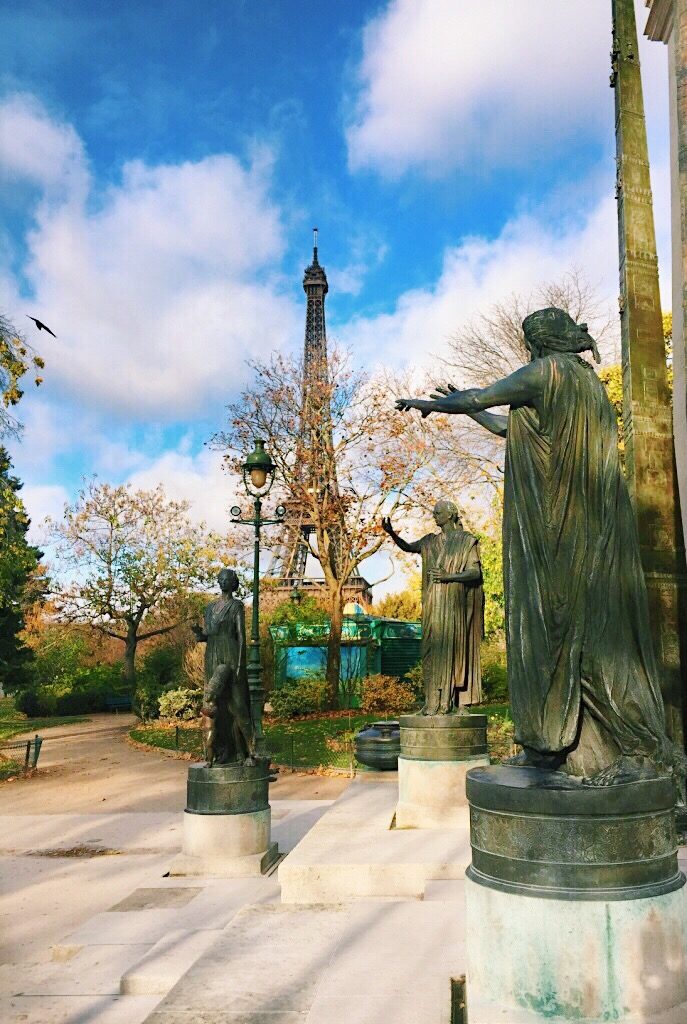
[(343, 929)]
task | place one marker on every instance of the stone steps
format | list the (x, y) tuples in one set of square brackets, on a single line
[(353, 852), (368, 962), (161, 967)]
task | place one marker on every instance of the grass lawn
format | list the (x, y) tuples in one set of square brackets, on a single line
[(9, 768), (304, 744), (13, 722), (307, 743)]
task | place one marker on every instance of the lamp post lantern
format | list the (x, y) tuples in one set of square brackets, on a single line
[(258, 476)]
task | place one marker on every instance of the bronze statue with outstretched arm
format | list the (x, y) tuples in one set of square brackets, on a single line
[(583, 679), (452, 611)]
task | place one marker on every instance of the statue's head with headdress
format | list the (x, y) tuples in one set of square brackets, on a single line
[(446, 512), (228, 581), (554, 330)]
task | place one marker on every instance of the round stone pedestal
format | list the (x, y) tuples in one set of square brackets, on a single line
[(443, 737), (227, 822), (436, 753), (543, 834), (575, 903)]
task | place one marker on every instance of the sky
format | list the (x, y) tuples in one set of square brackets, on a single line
[(162, 166)]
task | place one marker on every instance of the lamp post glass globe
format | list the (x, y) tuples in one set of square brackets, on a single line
[(258, 477), (258, 470)]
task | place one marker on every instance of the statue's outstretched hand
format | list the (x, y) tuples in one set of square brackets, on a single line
[(443, 391), (424, 406), (386, 525)]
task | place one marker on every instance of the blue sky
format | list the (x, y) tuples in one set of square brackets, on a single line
[(162, 166)]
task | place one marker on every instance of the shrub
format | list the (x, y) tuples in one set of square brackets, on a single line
[(161, 670), (183, 703), (414, 680), (387, 694), (193, 664), (500, 736), (37, 703), (59, 655), (494, 672), (299, 697)]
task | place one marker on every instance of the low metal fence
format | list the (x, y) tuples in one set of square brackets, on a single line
[(30, 749)]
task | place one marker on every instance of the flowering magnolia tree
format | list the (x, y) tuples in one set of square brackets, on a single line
[(131, 561)]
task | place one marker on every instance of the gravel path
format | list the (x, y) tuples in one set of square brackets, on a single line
[(90, 768)]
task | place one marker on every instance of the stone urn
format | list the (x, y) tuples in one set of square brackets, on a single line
[(378, 746)]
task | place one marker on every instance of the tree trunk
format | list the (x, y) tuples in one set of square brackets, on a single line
[(334, 648), (129, 673)]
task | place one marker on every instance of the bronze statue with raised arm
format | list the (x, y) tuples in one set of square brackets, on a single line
[(227, 721), (452, 611), (582, 675)]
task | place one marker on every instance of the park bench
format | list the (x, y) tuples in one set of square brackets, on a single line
[(118, 702)]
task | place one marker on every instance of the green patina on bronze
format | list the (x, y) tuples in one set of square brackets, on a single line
[(584, 685), (456, 737), (647, 411), (541, 833), (452, 611), (228, 789)]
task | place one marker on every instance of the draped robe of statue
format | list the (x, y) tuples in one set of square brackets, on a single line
[(452, 623), (226, 684), (581, 666)]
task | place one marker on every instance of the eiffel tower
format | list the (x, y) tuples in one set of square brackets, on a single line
[(315, 287), (290, 566)]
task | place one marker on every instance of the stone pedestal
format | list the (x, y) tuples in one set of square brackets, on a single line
[(227, 822), (575, 904), (436, 753)]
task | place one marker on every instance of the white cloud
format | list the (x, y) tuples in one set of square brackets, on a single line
[(478, 272), (160, 287), (36, 148), (444, 84), (43, 500), (198, 478)]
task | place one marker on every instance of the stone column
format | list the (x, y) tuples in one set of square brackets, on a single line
[(647, 413)]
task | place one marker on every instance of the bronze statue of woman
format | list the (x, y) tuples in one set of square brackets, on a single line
[(583, 679), (452, 611), (227, 721)]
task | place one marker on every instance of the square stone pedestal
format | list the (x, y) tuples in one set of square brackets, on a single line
[(567, 960), (431, 794), (437, 751)]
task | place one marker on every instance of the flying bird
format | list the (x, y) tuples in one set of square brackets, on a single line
[(41, 326)]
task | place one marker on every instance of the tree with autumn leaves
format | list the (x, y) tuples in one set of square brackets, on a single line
[(18, 558), (342, 464), (130, 561)]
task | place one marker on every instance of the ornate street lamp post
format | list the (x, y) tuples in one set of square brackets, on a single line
[(258, 477)]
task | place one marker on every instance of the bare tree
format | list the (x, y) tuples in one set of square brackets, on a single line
[(460, 458), (492, 345), (343, 462)]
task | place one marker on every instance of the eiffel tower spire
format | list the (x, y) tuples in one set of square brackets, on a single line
[(315, 286), (647, 413)]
